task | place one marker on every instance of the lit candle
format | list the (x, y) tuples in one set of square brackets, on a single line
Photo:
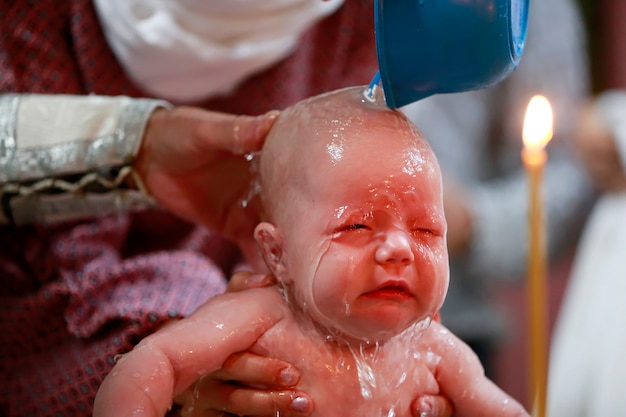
[(536, 134)]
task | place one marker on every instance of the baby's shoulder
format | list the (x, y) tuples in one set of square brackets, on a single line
[(452, 351), (296, 342), (260, 304), (440, 339)]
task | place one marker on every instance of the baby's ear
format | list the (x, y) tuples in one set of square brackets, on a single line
[(270, 242)]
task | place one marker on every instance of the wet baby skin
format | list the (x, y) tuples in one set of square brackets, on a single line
[(354, 232)]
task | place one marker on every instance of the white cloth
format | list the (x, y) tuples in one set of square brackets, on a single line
[(48, 120), (187, 50), (587, 375)]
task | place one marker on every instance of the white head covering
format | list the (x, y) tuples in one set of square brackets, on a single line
[(189, 50)]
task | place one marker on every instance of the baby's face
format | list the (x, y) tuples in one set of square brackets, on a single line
[(365, 252)]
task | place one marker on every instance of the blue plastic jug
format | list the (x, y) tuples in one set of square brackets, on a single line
[(428, 47)]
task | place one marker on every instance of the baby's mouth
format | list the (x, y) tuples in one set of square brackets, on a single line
[(391, 290)]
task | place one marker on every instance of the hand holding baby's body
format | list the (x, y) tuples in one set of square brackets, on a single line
[(343, 379)]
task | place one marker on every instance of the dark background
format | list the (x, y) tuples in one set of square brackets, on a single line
[(606, 30)]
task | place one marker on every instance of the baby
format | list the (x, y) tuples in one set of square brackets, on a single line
[(355, 235)]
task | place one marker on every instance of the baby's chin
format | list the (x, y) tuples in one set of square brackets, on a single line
[(366, 321), (371, 330)]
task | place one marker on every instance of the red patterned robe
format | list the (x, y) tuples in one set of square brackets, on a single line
[(73, 296)]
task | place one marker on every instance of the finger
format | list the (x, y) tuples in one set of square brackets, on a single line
[(234, 399), (250, 369), (237, 134), (270, 403), (432, 406), (245, 280)]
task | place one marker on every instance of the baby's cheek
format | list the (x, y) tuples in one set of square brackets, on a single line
[(328, 283), (438, 252), (432, 267), (440, 261), (433, 251)]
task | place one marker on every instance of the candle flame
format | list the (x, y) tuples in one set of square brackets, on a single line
[(537, 123)]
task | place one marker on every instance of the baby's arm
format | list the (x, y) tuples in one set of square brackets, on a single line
[(145, 381), (462, 380)]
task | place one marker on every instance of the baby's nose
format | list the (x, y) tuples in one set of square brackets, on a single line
[(395, 248)]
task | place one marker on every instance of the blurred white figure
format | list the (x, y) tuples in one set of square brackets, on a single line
[(588, 366)]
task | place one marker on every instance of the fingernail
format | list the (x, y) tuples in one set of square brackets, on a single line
[(288, 376), (425, 408), (271, 115), (300, 404), (267, 122)]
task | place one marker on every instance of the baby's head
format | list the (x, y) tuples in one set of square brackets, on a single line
[(355, 228)]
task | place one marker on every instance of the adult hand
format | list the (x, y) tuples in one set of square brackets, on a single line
[(217, 394), (596, 145), (248, 384), (194, 164)]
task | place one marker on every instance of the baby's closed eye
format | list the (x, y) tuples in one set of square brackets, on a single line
[(424, 230), (356, 226), (352, 231)]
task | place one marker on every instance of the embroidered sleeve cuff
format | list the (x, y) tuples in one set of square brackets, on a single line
[(65, 157)]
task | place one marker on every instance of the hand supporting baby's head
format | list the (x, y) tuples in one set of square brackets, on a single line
[(355, 227)]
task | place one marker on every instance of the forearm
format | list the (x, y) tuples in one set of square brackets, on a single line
[(65, 157)]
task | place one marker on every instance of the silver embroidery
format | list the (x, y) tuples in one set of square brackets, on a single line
[(75, 187), (8, 122), (26, 174), (77, 156), (30, 203), (62, 207)]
